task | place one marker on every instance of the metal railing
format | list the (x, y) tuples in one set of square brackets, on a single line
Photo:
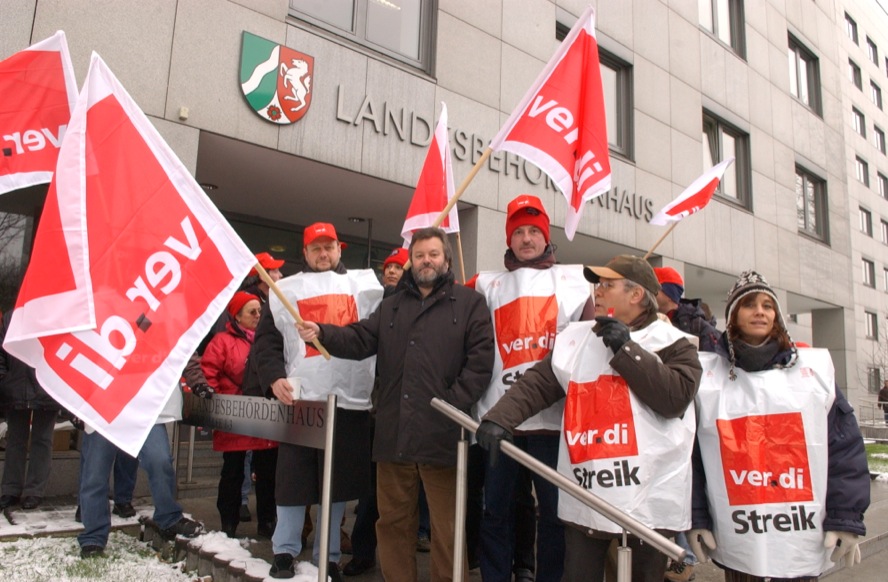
[(629, 524)]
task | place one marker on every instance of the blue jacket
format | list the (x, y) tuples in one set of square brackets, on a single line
[(848, 479)]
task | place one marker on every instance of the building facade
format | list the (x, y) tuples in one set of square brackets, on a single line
[(687, 83)]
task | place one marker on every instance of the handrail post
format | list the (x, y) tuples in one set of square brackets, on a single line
[(624, 560), (459, 533), (191, 436), (326, 490)]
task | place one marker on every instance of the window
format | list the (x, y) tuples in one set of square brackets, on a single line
[(872, 325), (869, 272), (872, 51), (884, 231), (855, 75), (876, 94), (851, 28), (724, 19), (402, 30), (858, 122), (883, 185), (879, 139), (616, 82), (873, 379), (811, 204), (861, 170), (885, 278), (720, 142), (866, 221), (804, 76)]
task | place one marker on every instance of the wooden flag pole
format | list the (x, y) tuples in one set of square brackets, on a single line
[(656, 244), (263, 274), (459, 192), (462, 262)]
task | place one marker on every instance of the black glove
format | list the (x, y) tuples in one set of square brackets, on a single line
[(489, 435), (612, 332), (202, 391), (78, 424)]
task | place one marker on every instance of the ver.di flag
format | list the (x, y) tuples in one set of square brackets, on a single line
[(695, 196), (131, 266), (560, 123), (37, 95), (434, 188)]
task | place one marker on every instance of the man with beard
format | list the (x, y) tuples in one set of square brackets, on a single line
[(432, 338), (329, 292)]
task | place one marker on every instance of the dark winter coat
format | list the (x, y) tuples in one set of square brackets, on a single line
[(438, 346), (847, 482), (19, 389), (223, 364), (690, 318)]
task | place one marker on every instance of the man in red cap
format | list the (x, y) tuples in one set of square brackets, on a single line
[(393, 267), (325, 291), (531, 301), (685, 314), (272, 266)]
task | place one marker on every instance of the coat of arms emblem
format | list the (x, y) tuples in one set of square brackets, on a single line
[(276, 80)]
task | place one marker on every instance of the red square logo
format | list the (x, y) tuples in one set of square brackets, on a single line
[(598, 420), (765, 459), (338, 309), (525, 329)]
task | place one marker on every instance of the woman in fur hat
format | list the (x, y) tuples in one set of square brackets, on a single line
[(780, 472)]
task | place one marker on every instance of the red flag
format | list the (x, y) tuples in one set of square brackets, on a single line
[(434, 188), (695, 196), (38, 94), (132, 264), (560, 123)]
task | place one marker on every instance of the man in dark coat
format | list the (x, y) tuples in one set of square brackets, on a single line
[(30, 415), (432, 338)]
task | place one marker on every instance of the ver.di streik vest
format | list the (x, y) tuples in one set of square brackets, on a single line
[(334, 298), (613, 444), (763, 439), (529, 307)]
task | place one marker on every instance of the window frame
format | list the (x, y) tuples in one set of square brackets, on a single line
[(872, 51), (800, 54), (851, 29), (865, 221), (741, 165), (858, 122), (736, 23), (879, 139), (883, 230), (873, 379), (868, 272), (871, 325), (358, 34), (821, 230), (855, 75), (861, 167), (883, 184), (875, 94)]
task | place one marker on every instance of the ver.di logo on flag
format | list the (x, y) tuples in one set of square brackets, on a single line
[(276, 80)]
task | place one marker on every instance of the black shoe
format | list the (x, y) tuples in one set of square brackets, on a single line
[(124, 509), (265, 530), (358, 566), (333, 572), (245, 513), (31, 502), (9, 501), (282, 566), (77, 516), (523, 575), (92, 552), (229, 530), (187, 528)]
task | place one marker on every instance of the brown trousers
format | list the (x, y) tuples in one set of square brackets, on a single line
[(397, 495)]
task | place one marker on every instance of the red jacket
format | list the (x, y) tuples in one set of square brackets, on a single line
[(223, 364)]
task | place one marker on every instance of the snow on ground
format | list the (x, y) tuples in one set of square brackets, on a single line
[(55, 555)]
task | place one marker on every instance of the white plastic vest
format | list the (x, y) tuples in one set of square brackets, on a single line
[(328, 298), (614, 445), (763, 438), (529, 307)]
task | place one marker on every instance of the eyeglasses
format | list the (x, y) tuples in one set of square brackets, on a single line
[(254, 311), (608, 285)]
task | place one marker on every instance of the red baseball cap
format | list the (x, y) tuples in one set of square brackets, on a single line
[(398, 256), (318, 230), (668, 275), (526, 209), (267, 261)]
